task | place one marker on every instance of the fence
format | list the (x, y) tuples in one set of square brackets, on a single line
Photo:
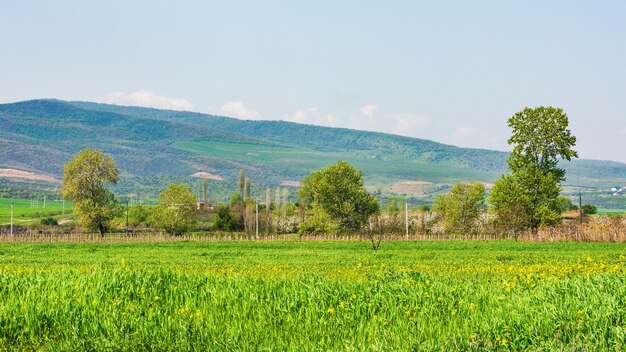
[(598, 229)]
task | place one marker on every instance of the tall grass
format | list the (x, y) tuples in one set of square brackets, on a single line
[(312, 296)]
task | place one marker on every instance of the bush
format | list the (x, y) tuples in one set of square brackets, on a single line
[(225, 221), (589, 209), (49, 221), (319, 224)]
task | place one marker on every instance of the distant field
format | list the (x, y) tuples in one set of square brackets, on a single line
[(23, 213), (313, 296), (384, 168)]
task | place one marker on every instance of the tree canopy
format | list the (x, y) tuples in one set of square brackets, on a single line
[(175, 212), (540, 138), (84, 180), (338, 192), (461, 207)]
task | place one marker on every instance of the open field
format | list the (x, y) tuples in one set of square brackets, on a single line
[(23, 213), (489, 295)]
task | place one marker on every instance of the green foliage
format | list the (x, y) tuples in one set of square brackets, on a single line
[(319, 223), (241, 182), (462, 207), (236, 199), (175, 212), (246, 188), (565, 204), (225, 221), (510, 206), (84, 180), (338, 190), (589, 209), (139, 215), (393, 207), (540, 137), (49, 221)]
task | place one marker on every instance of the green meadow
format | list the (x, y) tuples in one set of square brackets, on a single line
[(335, 295), (24, 213)]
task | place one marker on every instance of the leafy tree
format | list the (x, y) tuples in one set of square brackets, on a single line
[(205, 185), (565, 204), (461, 207), (138, 215), (175, 212), (589, 209), (225, 221), (338, 191), (241, 182), (540, 137), (84, 180), (246, 188), (511, 206)]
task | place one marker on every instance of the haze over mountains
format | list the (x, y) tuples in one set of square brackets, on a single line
[(42, 135)]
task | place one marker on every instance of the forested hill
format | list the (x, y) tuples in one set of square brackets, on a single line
[(42, 135)]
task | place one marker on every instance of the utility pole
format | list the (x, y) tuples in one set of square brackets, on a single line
[(63, 206), (580, 206), (406, 216), (11, 219), (44, 202)]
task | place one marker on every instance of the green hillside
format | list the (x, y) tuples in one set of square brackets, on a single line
[(43, 135)]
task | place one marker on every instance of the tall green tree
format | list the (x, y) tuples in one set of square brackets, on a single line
[(175, 212), (205, 186), (540, 138), (84, 180), (241, 180), (246, 189), (338, 192), (462, 207)]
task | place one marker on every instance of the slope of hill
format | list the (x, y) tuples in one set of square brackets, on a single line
[(42, 135)]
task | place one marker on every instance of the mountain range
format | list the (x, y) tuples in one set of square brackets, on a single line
[(41, 136)]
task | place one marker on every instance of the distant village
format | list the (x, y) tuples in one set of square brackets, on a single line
[(618, 191)]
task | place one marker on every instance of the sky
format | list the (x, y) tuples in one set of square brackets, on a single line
[(449, 71)]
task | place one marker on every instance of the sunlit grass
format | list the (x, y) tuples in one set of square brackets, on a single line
[(313, 296)]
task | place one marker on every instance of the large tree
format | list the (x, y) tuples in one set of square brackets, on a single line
[(175, 212), (540, 138), (461, 207), (84, 180), (338, 192)]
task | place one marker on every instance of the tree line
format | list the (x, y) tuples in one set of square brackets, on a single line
[(334, 200)]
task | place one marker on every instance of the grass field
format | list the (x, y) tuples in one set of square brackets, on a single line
[(23, 213), (313, 296)]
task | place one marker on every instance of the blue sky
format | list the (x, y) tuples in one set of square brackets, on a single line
[(450, 71)]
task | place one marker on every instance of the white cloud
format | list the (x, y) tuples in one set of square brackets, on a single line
[(366, 119), (464, 131), (369, 110), (305, 115), (147, 99), (407, 124), (240, 110), (332, 121)]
